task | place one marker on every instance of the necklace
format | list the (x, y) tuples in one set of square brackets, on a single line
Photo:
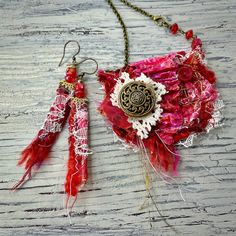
[(161, 102)]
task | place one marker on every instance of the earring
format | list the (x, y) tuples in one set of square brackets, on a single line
[(70, 101), (79, 151)]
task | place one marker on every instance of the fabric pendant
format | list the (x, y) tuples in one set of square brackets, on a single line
[(160, 102)]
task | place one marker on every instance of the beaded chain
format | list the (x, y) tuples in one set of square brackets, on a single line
[(158, 19)]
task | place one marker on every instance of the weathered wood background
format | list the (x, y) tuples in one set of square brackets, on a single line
[(32, 35)]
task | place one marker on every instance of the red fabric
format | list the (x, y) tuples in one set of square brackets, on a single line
[(39, 149), (77, 173), (187, 107)]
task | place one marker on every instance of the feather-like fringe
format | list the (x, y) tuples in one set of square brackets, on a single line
[(77, 173), (39, 149)]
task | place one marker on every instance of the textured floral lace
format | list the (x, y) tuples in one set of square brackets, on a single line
[(144, 124), (217, 116), (215, 122), (80, 130), (52, 123)]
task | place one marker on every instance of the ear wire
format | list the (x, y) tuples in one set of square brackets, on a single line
[(64, 51)]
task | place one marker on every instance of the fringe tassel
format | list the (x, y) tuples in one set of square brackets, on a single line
[(160, 155), (39, 149), (77, 173)]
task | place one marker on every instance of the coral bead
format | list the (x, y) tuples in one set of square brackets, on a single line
[(79, 90), (72, 71), (174, 28), (71, 75), (189, 34)]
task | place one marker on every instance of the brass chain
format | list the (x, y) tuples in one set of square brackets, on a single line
[(125, 33), (158, 19)]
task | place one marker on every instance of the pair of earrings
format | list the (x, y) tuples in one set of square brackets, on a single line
[(70, 104), (153, 105)]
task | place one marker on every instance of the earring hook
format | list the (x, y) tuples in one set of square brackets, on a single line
[(86, 72), (64, 51)]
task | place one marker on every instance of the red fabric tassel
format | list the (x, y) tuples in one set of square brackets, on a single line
[(161, 155), (39, 149), (77, 173)]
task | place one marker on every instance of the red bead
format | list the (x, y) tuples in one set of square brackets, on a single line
[(71, 71), (196, 43), (189, 34), (69, 79), (174, 28), (71, 75), (79, 90), (185, 73), (79, 86)]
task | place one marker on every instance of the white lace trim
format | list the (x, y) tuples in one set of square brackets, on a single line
[(188, 142), (52, 123), (80, 131), (144, 124), (214, 122), (217, 117)]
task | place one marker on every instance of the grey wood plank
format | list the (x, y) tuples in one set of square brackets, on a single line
[(32, 35)]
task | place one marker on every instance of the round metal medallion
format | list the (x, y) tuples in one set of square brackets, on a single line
[(137, 99)]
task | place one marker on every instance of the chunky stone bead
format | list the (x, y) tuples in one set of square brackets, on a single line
[(174, 28), (79, 90), (189, 34)]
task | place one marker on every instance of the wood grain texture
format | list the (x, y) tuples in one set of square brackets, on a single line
[(32, 35)]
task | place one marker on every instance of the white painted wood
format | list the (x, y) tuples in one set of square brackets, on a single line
[(32, 35)]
